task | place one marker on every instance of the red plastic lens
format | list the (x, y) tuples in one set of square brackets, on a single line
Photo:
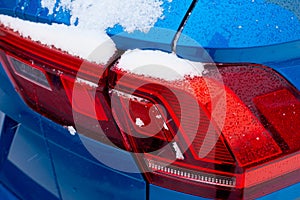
[(45, 78), (280, 108), (86, 101), (247, 154)]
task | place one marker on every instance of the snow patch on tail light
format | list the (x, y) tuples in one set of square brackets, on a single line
[(156, 60), (250, 152)]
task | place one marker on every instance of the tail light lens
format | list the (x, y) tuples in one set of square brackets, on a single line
[(243, 148), (45, 79)]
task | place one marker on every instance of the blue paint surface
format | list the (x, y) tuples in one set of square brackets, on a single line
[(77, 175), (79, 178), (292, 192), (157, 193), (240, 23), (6, 194), (29, 153)]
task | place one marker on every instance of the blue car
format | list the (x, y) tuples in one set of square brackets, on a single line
[(157, 99)]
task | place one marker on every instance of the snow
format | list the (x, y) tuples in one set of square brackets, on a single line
[(93, 18), (86, 82), (165, 126), (128, 96), (99, 15), (158, 64), (71, 130), (48, 4), (178, 152), (74, 40), (139, 122)]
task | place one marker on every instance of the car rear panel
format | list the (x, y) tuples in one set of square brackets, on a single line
[(68, 170)]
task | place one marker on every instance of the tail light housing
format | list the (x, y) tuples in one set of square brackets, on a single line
[(235, 138), (245, 146), (45, 78)]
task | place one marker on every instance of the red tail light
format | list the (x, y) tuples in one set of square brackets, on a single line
[(45, 79), (254, 147), (244, 147)]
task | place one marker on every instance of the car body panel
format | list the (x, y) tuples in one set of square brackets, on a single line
[(6, 194), (156, 192), (84, 176), (29, 155), (238, 23), (291, 192), (84, 179)]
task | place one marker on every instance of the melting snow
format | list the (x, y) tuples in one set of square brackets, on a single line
[(94, 14), (86, 82), (178, 152), (158, 64), (92, 18), (71, 130), (139, 122), (48, 4), (76, 41), (165, 126), (128, 96)]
